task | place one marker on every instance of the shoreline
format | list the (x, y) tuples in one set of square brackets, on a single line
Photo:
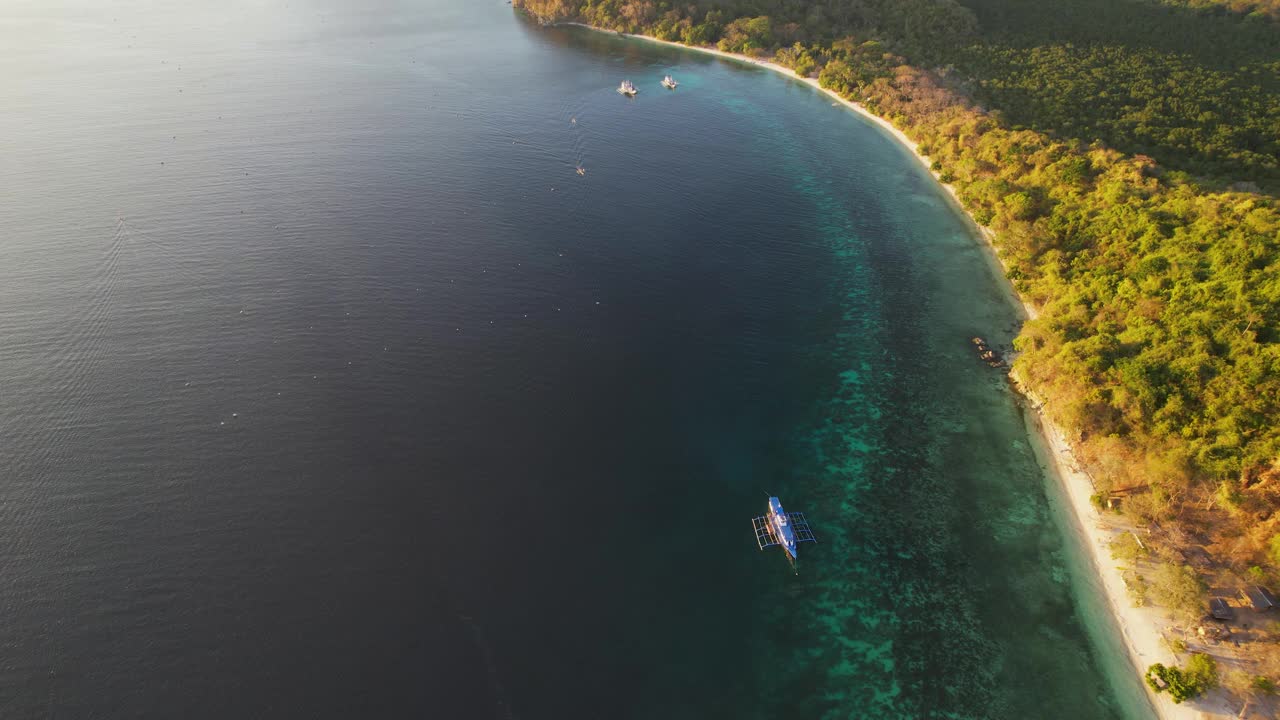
[(901, 137), (1141, 627)]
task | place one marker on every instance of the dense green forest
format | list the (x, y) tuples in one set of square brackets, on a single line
[(1198, 92), (1157, 341)]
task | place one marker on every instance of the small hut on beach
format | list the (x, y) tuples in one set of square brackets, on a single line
[(1260, 598), (1220, 610)]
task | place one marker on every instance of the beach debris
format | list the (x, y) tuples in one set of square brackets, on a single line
[(1211, 633)]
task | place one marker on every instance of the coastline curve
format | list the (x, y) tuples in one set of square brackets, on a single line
[(1140, 627)]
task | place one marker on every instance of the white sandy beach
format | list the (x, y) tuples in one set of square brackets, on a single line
[(1141, 626)]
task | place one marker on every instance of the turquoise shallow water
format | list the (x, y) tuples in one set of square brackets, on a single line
[(334, 391)]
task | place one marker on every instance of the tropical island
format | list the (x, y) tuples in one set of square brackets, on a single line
[(1123, 158)]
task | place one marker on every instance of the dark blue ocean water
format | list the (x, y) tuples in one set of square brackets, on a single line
[(331, 390)]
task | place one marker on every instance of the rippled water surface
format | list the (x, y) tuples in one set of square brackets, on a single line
[(331, 389)]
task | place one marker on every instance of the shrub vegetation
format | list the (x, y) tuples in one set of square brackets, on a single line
[(1200, 676)]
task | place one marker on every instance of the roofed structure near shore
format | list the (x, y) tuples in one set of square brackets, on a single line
[(1221, 610), (1260, 598)]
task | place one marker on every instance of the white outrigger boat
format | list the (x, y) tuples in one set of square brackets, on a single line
[(779, 527), (627, 88), (669, 83)]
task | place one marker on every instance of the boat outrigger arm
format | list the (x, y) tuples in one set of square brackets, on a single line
[(780, 527)]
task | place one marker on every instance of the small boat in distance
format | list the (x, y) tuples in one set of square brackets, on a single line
[(627, 88), (988, 354), (779, 527), (669, 83)]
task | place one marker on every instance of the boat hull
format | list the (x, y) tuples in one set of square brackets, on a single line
[(781, 525)]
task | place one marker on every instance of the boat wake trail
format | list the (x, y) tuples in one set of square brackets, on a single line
[(503, 707), (58, 383), (572, 114), (579, 135), (61, 365), (139, 240)]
